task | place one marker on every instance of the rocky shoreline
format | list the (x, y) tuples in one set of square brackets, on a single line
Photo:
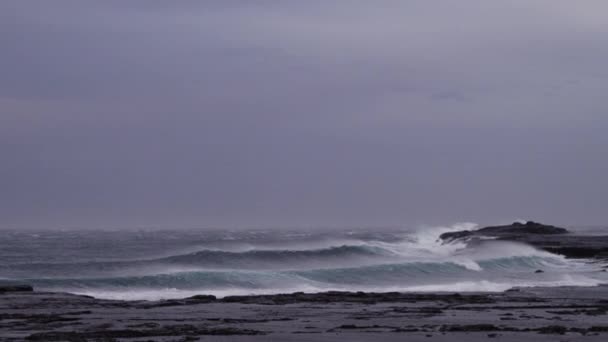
[(520, 314), (540, 314)]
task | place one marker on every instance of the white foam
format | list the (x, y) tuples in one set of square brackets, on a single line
[(491, 286), (462, 286), (173, 293)]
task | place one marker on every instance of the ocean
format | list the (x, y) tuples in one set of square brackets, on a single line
[(141, 264)]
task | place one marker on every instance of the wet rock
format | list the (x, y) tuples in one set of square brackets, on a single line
[(580, 252), (198, 299), (546, 237), (63, 317), (553, 329), (38, 318), (15, 288), (175, 330), (469, 328), (367, 328), (459, 235), (516, 228), (406, 330), (358, 297)]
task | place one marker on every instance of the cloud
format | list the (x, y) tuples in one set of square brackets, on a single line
[(344, 112)]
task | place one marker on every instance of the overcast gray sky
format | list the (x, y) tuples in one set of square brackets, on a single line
[(324, 113)]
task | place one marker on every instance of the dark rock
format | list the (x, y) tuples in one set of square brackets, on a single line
[(600, 328), (189, 338), (145, 325), (367, 328), (198, 299), (350, 326), (84, 336), (175, 330), (470, 328), (406, 330), (579, 252), (451, 236), (516, 228), (553, 329), (202, 298), (357, 297), (539, 271), (546, 237), (16, 288), (38, 318)]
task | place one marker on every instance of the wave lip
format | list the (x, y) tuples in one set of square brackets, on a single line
[(269, 258), (142, 293)]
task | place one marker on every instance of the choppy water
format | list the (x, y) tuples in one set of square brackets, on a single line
[(171, 264)]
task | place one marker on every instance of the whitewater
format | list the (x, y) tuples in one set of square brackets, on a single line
[(154, 264)]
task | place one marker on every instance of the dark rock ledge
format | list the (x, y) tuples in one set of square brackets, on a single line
[(15, 288), (173, 330), (512, 316), (513, 230), (546, 237), (331, 297)]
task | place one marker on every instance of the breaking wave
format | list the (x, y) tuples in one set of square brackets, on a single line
[(395, 261)]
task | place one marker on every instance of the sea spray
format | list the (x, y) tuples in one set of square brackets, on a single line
[(153, 265)]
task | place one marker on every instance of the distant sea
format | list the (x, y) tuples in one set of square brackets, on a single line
[(156, 264)]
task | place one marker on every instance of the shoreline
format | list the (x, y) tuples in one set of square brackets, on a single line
[(519, 314), (535, 313)]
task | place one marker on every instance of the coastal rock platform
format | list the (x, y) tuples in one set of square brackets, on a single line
[(526, 314)]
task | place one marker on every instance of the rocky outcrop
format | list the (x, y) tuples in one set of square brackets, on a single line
[(516, 315), (15, 288), (515, 229), (328, 297), (112, 335), (357, 297), (546, 237)]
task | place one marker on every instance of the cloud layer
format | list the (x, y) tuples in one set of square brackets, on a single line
[(242, 113)]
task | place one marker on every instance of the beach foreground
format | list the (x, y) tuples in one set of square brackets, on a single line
[(526, 314)]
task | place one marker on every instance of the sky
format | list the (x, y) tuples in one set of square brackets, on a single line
[(235, 113)]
